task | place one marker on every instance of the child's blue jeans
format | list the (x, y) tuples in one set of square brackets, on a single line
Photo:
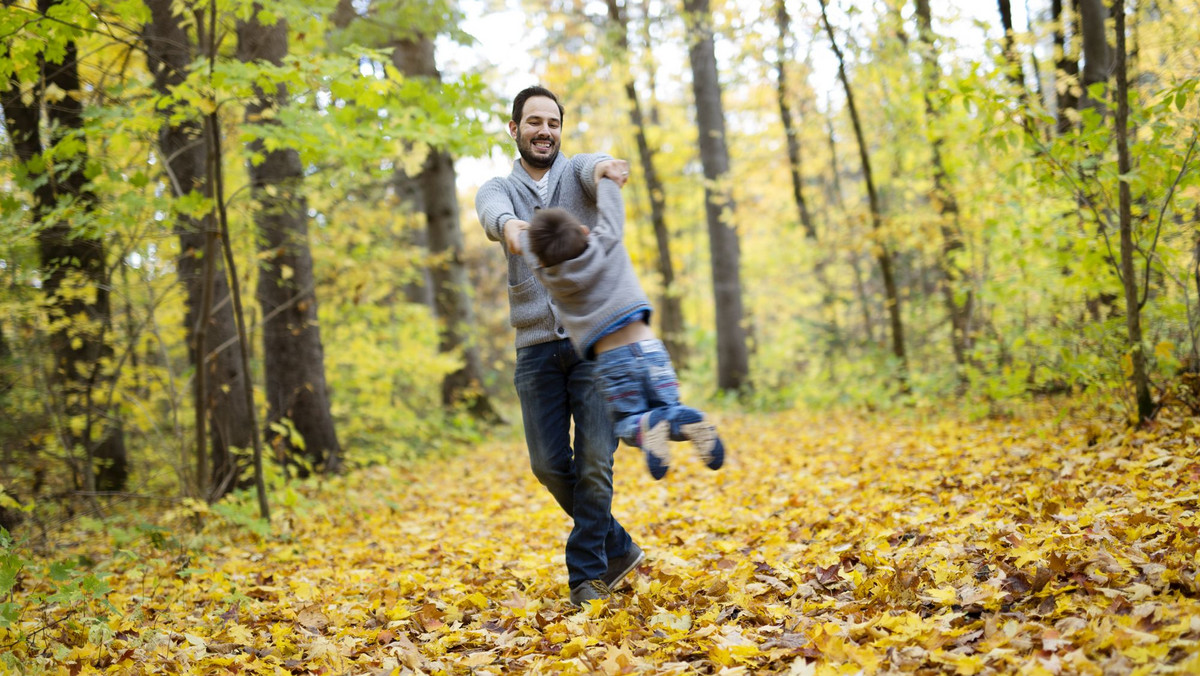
[(638, 378)]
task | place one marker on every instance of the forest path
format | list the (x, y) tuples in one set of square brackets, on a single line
[(825, 543)]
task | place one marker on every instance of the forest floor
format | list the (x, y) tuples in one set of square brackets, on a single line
[(832, 544)]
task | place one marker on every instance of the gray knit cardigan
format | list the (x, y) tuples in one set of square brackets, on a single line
[(598, 289), (571, 187)]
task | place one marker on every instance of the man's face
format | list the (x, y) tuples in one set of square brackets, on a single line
[(538, 133)]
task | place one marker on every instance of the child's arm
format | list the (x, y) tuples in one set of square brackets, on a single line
[(610, 228), (584, 165), (532, 261)]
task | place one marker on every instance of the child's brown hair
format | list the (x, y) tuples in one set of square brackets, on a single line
[(555, 236)]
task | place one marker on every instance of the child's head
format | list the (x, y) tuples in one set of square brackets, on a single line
[(555, 236)]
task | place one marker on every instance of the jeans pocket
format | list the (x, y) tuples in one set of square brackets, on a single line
[(621, 387), (663, 379)]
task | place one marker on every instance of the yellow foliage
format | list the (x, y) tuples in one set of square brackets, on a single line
[(825, 546)]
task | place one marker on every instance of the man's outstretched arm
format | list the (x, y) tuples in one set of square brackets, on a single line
[(591, 167), (497, 216)]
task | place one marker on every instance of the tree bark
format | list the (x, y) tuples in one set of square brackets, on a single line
[(790, 132), (169, 53), (883, 254), (1013, 68), (448, 274), (1097, 56), (293, 357), (835, 191), (1066, 68), (651, 65), (670, 312), (795, 169), (733, 360), (70, 259), (1133, 307), (946, 203), (419, 289)]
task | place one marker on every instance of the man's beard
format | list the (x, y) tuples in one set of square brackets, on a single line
[(533, 160)]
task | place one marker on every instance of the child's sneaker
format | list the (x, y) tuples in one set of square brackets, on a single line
[(703, 436), (653, 433)]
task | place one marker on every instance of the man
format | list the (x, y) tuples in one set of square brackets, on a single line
[(553, 383)]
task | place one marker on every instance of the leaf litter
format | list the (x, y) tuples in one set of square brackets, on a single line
[(825, 546)]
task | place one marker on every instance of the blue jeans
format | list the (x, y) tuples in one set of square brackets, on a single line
[(554, 386), (636, 379)]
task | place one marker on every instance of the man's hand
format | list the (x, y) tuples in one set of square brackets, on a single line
[(512, 234), (617, 170)]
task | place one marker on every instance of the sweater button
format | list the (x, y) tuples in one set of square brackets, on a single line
[(560, 331)]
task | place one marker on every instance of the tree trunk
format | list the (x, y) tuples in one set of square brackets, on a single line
[(785, 115), (946, 203), (670, 314), (419, 289), (1066, 68), (733, 360), (1097, 56), (451, 284), (293, 358), (1133, 306), (651, 65), (71, 260), (1014, 70), (795, 169), (883, 255), (835, 190), (170, 51)]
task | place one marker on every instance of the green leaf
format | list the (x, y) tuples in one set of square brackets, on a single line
[(9, 614), (95, 586), (10, 566), (60, 571)]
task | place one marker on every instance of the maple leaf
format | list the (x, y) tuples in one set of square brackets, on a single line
[(944, 596), (863, 572)]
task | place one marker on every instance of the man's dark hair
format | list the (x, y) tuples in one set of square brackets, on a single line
[(527, 93), (555, 236)]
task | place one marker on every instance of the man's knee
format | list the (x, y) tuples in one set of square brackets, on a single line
[(550, 473)]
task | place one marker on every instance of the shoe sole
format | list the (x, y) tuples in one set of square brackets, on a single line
[(655, 442), (629, 569), (703, 436)]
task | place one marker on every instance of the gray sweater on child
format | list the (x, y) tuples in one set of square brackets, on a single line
[(597, 290), (571, 187)]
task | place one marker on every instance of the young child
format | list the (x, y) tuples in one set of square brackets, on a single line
[(597, 296)]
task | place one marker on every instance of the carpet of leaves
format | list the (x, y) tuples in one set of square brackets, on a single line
[(826, 545)]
